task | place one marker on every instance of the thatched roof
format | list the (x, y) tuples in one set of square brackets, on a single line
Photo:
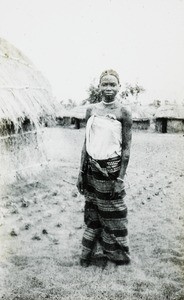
[(170, 112), (24, 92), (78, 112), (139, 113)]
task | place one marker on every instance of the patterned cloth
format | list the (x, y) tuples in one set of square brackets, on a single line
[(105, 213)]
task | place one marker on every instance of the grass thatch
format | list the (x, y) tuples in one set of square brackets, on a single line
[(170, 112), (26, 102), (24, 92), (78, 112), (139, 113)]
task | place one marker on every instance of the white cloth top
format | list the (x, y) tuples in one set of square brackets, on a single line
[(103, 137)]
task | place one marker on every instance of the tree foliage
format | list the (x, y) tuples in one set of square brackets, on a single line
[(94, 94), (132, 90), (69, 104)]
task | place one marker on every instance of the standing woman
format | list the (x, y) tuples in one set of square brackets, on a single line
[(104, 161)]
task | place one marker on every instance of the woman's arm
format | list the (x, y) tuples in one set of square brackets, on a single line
[(84, 160), (125, 153), (126, 141)]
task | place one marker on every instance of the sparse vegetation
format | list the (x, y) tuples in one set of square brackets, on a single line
[(39, 266)]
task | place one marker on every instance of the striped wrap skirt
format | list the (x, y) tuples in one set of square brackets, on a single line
[(105, 213)]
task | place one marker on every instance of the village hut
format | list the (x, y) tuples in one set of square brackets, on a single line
[(75, 116), (169, 118), (141, 118), (63, 117), (78, 115), (26, 103)]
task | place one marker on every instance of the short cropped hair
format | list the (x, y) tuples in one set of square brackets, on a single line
[(109, 72)]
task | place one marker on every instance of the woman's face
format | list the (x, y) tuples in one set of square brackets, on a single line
[(109, 87)]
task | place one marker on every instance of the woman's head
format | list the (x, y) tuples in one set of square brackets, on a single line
[(109, 85), (110, 72)]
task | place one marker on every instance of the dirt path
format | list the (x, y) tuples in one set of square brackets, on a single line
[(41, 226)]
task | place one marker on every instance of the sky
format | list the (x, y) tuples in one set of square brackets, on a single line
[(72, 41)]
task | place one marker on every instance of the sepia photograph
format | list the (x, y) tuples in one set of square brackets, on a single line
[(92, 149)]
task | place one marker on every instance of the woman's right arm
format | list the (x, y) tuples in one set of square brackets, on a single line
[(84, 161)]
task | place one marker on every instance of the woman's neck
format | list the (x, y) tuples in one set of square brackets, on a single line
[(109, 104)]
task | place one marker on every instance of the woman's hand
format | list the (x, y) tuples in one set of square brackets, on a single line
[(119, 187)]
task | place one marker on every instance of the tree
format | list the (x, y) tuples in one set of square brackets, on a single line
[(69, 104), (133, 90), (94, 94)]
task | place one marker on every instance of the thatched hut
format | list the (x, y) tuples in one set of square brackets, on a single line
[(141, 119), (25, 101), (169, 118), (78, 115), (63, 117), (75, 116)]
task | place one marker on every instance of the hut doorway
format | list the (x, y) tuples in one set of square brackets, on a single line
[(164, 125), (77, 123)]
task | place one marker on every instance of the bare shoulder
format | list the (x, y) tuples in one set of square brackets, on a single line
[(125, 114), (89, 110)]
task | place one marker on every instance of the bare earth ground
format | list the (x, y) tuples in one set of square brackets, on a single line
[(41, 226)]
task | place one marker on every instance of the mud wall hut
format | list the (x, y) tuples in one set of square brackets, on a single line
[(25, 101), (141, 118), (63, 117), (169, 119), (75, 116)]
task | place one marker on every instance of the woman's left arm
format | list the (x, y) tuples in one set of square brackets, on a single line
[(126, 141), (126, 122)]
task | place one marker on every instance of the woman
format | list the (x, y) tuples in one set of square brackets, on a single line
[(104, 160)]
